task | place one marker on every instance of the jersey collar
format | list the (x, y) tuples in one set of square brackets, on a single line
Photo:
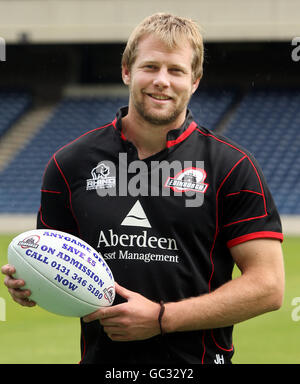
[(174, 137)]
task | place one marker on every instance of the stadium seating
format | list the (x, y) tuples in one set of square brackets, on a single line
[(22, 177), (72, 117), (12, 105), (209, 106), (267, 123)]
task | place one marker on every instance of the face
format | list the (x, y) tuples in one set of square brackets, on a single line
[(160, 81)]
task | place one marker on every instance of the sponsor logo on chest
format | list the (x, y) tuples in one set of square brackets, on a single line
[(189, 179), (101, 178), (139, 178), (139, 246)]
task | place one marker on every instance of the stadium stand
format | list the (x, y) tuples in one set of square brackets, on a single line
[(73, 117), (22, 131), (267, 123), (209, 106), (12, 105)]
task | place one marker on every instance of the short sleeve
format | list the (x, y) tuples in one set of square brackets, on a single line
[(55, 211), (246, 207)]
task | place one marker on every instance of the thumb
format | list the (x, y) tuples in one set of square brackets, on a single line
[(122, 291)]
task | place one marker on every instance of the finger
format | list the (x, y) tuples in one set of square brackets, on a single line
[(113, 329), (104, 313), (114, 333), (19, 293), (122, 291), (24, 302), (10, 282), (97, 315), (119, 337), (21, 297), (108, 322), (8, 269)]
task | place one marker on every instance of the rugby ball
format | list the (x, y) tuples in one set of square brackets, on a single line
[(65, 274)]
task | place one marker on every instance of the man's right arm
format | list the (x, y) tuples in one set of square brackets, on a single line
[(19, 295), (54, 213)]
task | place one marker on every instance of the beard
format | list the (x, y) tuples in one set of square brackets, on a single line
[(159, 118)]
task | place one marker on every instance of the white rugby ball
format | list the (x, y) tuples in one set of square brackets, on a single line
[(65, 274)]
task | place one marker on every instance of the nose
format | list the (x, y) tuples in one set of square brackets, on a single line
[(161, 79)]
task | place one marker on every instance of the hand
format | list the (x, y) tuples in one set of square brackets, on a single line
[(14, 287), (136, 319)]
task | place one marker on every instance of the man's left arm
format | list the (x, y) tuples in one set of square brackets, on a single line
[(259, 289)]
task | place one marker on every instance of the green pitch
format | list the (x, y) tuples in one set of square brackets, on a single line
[(32, 335)]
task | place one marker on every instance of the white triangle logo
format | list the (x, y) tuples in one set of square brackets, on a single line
[(136, 217)]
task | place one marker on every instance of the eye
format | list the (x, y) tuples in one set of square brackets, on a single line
[(176, 70), (150, 66)]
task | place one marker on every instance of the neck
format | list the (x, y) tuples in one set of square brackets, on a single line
[(148, 138)]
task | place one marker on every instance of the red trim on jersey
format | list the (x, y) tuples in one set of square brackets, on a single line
[(48, 226), (217, 220), (221, 141), (114, 123), (223, 349), (41, 218), (62, 174), (239, 150), (86, 133), (47, 191), (241, 238), (247, 219), (243, 190), (216, 235), (204, 349), (70, 193), (278, 235), (104, 126), (84, 347), (183, 136), (253, 236), (261, 187)]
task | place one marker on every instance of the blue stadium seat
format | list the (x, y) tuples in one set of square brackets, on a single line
[(12, 105), (21, 180), (209, 106), (267, 123)]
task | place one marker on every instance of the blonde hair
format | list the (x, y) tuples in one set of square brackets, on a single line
[(170, 29)]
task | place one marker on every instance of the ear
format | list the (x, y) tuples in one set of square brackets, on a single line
[(195, 84), (125, 75)]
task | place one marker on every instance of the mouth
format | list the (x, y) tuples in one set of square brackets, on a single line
[(159, 97)]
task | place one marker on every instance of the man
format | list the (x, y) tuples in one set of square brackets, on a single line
[(171, 254)]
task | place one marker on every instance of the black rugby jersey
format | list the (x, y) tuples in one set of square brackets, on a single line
[(164, 225)]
